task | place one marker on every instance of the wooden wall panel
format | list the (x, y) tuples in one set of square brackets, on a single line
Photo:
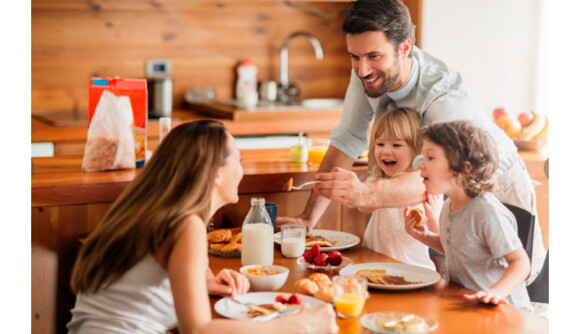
[(75, 40)]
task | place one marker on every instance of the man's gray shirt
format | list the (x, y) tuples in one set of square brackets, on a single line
[(437, 92)]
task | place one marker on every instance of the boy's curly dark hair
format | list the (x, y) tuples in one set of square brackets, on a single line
[(470, 152)]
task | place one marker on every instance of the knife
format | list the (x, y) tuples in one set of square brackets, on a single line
[(273, 315)]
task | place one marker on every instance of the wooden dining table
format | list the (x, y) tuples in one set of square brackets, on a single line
[(441, 302)]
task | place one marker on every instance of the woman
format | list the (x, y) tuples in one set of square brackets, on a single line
[(145, 267)]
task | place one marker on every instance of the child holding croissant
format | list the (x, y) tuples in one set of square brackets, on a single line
[(478, 234)]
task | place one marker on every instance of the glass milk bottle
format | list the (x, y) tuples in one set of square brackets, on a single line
[(257, 235)]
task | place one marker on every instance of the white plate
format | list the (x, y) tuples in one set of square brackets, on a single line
[(409, 272), (368, 321), (342, 240), (229, 309), (345, 262)]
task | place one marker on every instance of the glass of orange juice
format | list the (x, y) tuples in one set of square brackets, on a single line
[(317, 148), (349, 295)]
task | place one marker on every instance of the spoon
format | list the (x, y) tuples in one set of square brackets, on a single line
[(288, 185), (304, 185)]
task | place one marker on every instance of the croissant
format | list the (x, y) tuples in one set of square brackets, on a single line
[(216, 247), (306, 286), (231, 247), (325, 293), (322, 280), (218, 236), (236, 239)]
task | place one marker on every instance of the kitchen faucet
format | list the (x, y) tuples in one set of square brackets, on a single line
[(285, 90)]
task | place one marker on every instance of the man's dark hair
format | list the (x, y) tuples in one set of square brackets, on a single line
[(390, 16)]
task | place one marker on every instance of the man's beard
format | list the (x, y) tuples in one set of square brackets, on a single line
[(388, 82)]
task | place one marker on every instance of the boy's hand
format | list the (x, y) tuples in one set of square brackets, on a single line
[(490, 296), (417, 232), (433, 206)]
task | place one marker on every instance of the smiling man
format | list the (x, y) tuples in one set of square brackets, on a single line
[(388, 72)]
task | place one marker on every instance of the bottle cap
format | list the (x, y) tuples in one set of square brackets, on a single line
[(247, 62)]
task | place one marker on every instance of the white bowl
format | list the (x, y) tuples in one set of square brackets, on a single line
[(267, 282)]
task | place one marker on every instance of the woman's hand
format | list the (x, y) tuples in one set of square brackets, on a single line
[(491, 296), (228, 283)]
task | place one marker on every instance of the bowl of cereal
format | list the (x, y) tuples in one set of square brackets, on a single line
[(265, 278)]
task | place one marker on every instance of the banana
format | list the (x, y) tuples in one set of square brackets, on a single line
[(544, 133), (534, 128)]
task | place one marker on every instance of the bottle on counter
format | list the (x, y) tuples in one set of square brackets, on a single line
[(257, 235), (247, 85), (299, 151), (164, 127)]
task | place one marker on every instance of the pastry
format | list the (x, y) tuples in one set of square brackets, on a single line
[(322, 280), (306, 286), (232, 248), (236, 239), (317, 239), (216, 247), (325, 293), (419, 218), (219, 236)]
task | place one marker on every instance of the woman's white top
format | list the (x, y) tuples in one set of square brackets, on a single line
[(139, 302), (386, 234)]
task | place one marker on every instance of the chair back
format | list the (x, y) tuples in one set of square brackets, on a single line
[(525, 221)]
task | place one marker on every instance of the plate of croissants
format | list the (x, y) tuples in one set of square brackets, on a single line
[(225, 242)]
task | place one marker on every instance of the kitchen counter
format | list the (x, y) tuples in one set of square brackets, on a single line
[(314, 121)]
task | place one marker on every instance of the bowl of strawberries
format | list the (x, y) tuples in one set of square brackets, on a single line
[(314, 259)]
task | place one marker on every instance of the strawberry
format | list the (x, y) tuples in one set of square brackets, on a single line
[(295, 299), (309, 256), (281, 299), (320, 259), (334, 258)]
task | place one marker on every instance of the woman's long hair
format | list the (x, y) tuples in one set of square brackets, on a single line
[(176, 183), (401, 124)]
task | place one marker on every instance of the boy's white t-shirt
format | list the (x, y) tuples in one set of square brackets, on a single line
[(386, 234)]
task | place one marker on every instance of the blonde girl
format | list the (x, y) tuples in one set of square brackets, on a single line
[(478, 233), (393, 146), (145, 267)]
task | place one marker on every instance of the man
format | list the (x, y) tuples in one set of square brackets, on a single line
[(389, 72)]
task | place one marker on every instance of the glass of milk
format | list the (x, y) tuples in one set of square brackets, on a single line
[(293, 240)]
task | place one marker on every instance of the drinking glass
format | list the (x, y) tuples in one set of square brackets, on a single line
[(293, 240), (317, 148), (349, 295)]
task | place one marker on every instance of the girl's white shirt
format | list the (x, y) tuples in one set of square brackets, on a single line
[(385, 234)]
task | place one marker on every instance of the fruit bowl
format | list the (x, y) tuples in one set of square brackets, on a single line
[(345, 262), (529, 145)]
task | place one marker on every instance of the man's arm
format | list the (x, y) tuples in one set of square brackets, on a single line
[(344, 186), (317, 204)]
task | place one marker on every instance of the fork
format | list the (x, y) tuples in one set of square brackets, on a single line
[(304, 185), (247, 305)]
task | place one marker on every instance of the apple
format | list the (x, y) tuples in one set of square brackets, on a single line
[(334, 258), (511, 126), (320, 260), (497, 112), (309, 256), (525, 118)]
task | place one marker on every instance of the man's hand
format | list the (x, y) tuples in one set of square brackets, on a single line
[(342, 186), (228, 283)]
